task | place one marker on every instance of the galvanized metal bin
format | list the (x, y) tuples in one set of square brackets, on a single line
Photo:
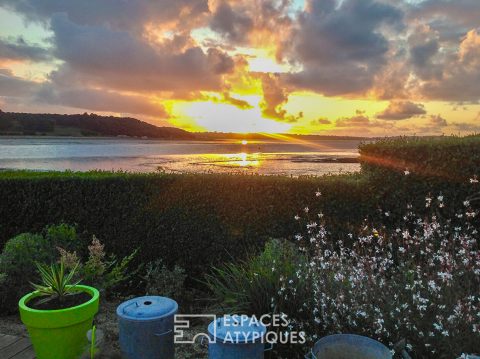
[(236, 337), (348, 346), (146, 327)]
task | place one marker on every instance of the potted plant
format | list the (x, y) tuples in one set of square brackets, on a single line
[(59, 313)]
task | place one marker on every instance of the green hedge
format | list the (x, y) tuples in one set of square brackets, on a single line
[(195, 220), (449, 158), (435, 166), (191, 220)]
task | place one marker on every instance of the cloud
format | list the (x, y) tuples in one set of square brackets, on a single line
[(118, 55), (424, 47), (437, 121), (434, 125), (466, 127), (20, 50), (460, 80), (342, 47), (401, 110), (356, 121), (17, 89), (244, 105), (452, 15), (14, 86), (226, 97), (275, 97), (131, 15), (361, 124), (258, 24), (320, 121), (233, 24), (100, 100), (99, 56)]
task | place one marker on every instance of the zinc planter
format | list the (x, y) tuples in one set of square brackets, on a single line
[(348, 346), (60, 333), (236, 337)]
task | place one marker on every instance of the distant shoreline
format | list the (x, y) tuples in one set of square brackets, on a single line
[(26, 125), (219, 139)]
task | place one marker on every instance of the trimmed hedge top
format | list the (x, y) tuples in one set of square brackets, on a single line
[(192, 220), (196, 220), (448, 158)]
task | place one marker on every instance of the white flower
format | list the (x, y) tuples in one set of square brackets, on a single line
[(297, 217), (406, 172), (318, 193)]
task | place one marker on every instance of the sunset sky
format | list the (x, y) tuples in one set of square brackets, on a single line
[(351, 67)]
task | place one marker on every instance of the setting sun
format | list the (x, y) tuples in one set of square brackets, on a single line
[(229, 118)]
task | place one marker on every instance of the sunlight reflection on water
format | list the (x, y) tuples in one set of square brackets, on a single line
[(177, 156)]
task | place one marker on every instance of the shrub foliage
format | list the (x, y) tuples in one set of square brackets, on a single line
[(189, 220)]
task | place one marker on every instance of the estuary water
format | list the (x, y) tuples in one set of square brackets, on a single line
[(145, 155)]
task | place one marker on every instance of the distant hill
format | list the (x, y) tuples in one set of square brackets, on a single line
[(86, 125), (30, 124)]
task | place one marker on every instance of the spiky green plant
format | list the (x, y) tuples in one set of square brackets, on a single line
[(56, 283)]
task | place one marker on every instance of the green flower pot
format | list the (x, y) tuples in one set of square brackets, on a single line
[(62, 333)]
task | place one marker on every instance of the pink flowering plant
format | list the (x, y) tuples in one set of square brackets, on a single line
[(419, 281)]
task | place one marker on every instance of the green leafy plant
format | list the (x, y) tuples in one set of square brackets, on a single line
[(93, 339), (248, 286), (160, 280), (17, 265), (100, 271), (56, 283)]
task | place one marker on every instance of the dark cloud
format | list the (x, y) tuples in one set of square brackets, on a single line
[(131, 15), (449, 17), (234, 24), (460, 79), (34, 93), (99, 100), (422, 59), (20, 50), (99, 56), (13, 86), (342, 47), (401, 110)]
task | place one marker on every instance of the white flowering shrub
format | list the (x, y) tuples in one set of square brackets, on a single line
[(419, 281)]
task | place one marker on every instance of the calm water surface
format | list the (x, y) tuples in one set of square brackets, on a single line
[(262, 157)]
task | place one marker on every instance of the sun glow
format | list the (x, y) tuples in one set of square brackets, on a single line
[(229, 118)]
